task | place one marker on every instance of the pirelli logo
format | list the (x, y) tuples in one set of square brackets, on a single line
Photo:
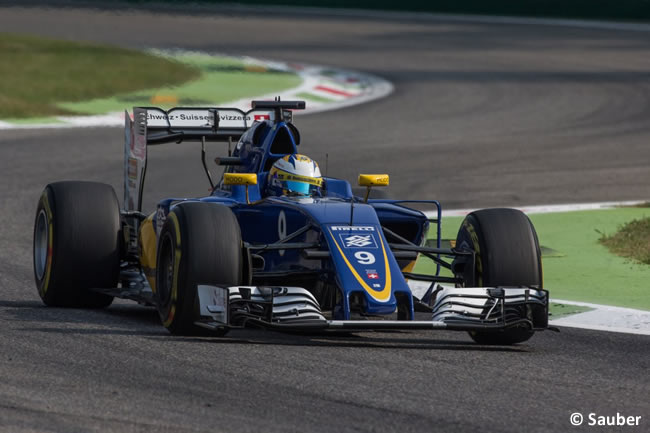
[(353, 228)]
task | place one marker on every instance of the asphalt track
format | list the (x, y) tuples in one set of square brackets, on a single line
[(482, 115)]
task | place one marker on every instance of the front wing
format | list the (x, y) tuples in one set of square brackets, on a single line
[(296, 309)]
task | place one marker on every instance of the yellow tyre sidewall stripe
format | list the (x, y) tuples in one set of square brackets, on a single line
[(177, 260), (50, 244), (148, 241)]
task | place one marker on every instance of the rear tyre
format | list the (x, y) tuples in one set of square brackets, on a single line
[(76, 244), (507, 254), (200, 243)]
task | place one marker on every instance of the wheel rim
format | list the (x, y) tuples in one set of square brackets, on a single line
[(165, 282), (41, 244)]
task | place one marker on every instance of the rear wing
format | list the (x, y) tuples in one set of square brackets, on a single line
[(153, 125)]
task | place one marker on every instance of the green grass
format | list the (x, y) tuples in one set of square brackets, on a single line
[(37, 73), (221, 80), (580, 268), (43, 78), (632, 241)]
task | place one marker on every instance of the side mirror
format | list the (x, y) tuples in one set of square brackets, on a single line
[(240, 179), (370, 180), (245, 179)]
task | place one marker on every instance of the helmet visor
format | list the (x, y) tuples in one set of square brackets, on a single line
[(299, 187), (304, 185)]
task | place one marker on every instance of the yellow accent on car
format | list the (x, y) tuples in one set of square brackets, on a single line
[(409, 267), (373, 180), (147, 239), (240, 179), (384, 294), (177, 260)]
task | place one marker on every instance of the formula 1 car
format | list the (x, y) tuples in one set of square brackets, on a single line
[(310, 263)]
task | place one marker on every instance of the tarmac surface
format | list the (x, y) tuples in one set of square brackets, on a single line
[(482, 115)]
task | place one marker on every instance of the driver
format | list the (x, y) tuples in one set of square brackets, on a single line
[(293, 175)]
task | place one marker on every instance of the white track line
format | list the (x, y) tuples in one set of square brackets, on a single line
[(551, 208), (605, 318)]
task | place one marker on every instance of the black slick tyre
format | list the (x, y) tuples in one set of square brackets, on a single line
[(507, 254), (76, 244), (200, 243)]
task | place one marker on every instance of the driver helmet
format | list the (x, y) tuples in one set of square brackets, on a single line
[(295, 174)]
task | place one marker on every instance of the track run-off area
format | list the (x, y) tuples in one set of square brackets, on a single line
[(482, 115), (223, 83)]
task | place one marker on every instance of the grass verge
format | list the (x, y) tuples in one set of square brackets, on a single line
[(580, 267), (632, 241), (37, 73), (222, 79)]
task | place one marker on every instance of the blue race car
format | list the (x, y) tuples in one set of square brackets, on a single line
[(277, 245)]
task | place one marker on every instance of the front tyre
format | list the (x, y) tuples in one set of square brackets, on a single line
[(507, 254), (200, 243), (76, 244)]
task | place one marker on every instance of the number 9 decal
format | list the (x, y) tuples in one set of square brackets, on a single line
[(364, 257)]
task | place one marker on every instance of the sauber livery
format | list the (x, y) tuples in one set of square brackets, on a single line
[(324, 260)]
